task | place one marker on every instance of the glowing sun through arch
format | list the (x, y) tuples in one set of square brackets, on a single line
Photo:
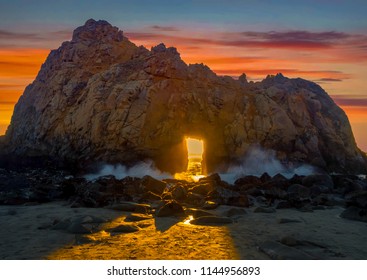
[(195, 147), (195, 150)]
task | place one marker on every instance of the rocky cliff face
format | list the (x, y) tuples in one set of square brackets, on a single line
[(101, 98)]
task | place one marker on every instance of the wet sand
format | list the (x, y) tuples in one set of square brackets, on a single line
[(26, 233)]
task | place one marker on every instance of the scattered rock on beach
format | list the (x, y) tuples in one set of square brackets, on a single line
[(179, 192), (124, 229), (153, 185), (81, 239), (358, 199), (137, 217), (287, 221), (150, 196), (278, 251), (289, 241), (211, 220), (210, 205), (196, 213), (355, 213), (318, 180), (234, 212), (79, 228), (264, 210), (170, 208), (131, 207)]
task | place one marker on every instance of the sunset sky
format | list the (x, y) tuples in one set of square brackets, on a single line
[(320, 40)]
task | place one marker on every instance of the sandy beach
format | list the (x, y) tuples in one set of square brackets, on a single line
[(29, 232)]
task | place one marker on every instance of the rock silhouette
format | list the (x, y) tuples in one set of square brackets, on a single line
[(100, 98)]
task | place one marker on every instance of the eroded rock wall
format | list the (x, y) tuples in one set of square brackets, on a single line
[(101, 98)]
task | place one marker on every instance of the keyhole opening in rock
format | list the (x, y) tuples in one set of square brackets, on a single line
[(195, 150)]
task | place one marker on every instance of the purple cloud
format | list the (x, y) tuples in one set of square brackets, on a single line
[(164, 28), (329, 80), (297, 36), (345, 100), (8, 35), (299, 39)]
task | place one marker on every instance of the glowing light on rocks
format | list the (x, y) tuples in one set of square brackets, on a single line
[(195, 150)]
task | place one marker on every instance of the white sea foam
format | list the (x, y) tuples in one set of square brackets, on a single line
[(258, 161), (120, 171)]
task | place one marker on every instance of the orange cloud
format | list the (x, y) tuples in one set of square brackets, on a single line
[(18, 67), (357, 116), (6, 111), (21, 62)]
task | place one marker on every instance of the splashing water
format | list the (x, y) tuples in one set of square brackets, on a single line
[(193, 172), (258, 161), (121, 171)]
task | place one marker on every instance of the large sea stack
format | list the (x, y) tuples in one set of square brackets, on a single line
[(100, 98)]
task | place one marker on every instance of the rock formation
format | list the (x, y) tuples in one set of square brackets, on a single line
[(100, 98)]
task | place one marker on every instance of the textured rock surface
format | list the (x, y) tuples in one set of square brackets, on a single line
[(101, 98)]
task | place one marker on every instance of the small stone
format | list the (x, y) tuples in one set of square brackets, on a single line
[(124, 229), (264, 210), (306, 208), (287, 221), (318, 179), (358, 199), (178, 192), (79, 228), (171, 208), (195, 199), (355, 213), (44, 226), (289, 241), (318, 207), (209, 205), (151, 196), (202, 188), (83, 220), (278, 251), (83, 239), (61, 225), (137, 217), (196, 213), (297, 191), (153, 185), (211, 220), (235, 212), (282, 204), (131, 207)]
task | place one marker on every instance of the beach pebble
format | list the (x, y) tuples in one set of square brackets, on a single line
[(211, 220), (355, 213), (264, 210), (170, 208), (286, 221), (209, 205), (124, 229), (234, 212), (131, 207), (61, 225), (278, 251), (83, 239), (289, 241), (78, 228), (137, 217), (196, 213)]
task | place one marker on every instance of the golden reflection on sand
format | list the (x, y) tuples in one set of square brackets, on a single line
[(159, 238)]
